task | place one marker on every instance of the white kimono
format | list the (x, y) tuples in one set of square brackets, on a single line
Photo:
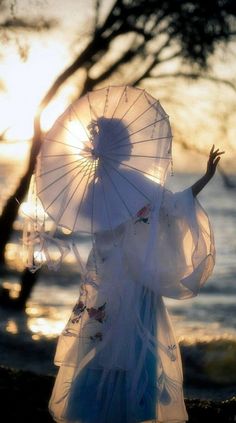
[(118, 356)]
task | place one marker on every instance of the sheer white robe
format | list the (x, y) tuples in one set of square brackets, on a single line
[(119, 335)]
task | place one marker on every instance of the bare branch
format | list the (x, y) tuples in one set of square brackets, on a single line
[(111, 17), (83, 60), (125, 59), (146, 72), (2, 135), (195, 76), (171, 57), (97, 10), (38, 24), (154, 61)]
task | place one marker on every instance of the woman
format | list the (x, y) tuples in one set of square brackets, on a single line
[(118, 356)]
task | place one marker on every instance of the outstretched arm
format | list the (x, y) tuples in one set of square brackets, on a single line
[(214, 158)]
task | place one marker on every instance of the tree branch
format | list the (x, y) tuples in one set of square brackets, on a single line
[(80, 61), (195, 75), (146, 72), (38, 24), (96, 17), (127, 57)]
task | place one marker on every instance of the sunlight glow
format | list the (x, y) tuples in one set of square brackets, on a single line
[(27, 209), (13, 288), (11, 327), (78, 134), (46, 327), (17, 151), (26, 83)]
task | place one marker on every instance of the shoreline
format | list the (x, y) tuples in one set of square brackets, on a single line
[(208, 367), (25, 396)]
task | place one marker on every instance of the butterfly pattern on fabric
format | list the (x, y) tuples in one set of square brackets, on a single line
[(143, 214), (95, 314), (98, 314), (77, 311)]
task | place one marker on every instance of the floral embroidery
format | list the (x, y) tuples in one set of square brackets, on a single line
[(68, 332), (165, 397), (77, 311), (96, 337), (168, 388), (98, 314), (143, 214), (79, 307), (171, 349)]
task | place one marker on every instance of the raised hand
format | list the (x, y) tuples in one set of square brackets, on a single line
[(214, 158)]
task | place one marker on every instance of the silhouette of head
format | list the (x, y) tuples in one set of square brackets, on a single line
[(110, 140)]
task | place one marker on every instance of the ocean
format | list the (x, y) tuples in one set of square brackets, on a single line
[(205, 326)]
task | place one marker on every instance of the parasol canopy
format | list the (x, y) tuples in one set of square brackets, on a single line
[(103, 159)]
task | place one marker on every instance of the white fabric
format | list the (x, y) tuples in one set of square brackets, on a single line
[(182, 254), (163, 251)]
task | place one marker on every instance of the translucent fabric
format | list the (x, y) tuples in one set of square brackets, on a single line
[(118, 356)]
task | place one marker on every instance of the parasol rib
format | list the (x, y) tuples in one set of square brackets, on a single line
[(116, 189), (130, 107), (59, 194), (90, 166), (66, 155), (77, 213), (113, 114), (131, 183), (60, 177), (107, 211), (131, 167), (79, 120), (106, 101), (140, 130), (67, 145), (138, 142), (92, 211), (139, 155), (139, 116), (67, 129), (60, 167)]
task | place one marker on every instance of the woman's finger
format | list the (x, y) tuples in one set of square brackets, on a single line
[(212, 149), (217, 153), (216, 161)]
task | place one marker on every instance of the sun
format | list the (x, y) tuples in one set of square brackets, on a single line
[(25, 85)]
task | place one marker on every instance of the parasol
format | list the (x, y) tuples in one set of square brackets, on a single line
[(103, 159)]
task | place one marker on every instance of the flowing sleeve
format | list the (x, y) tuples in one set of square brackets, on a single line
[(41, 244), (186, 245), (182, 256)]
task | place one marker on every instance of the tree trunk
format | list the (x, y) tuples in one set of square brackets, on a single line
[(7, 219), (10, 213), (28, 280), (11, 208)]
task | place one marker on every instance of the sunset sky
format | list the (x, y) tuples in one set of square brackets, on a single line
[(200, 112)]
